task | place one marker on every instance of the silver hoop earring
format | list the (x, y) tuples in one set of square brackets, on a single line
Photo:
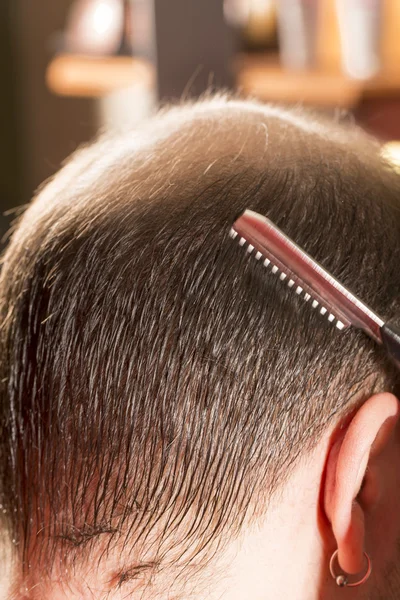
[(342, 580)]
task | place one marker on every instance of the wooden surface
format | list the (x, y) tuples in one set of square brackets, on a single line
[(260, 76), (72, 75), (264, 78)]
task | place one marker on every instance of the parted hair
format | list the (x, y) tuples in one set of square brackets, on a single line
[(158, 386)]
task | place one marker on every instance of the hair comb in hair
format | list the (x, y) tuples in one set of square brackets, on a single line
[(310, 281)]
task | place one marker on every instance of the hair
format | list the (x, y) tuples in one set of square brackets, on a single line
[(157, 385)]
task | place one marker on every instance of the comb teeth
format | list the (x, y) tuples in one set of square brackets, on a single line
[(290, 283), (233, 233)]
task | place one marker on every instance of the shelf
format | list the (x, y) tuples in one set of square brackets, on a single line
[(83, 76), (263, 77), (260, 76), (385, 84)]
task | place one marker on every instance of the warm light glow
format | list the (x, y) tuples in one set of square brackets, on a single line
[(260, 7), (102, 17), (391, 151)]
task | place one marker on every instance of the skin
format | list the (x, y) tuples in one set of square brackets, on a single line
[(344, 495), (324, 508)]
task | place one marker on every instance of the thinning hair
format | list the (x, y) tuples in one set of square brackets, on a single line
[(157, 386)]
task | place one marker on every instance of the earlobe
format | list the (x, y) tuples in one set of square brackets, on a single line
[(348, 464)]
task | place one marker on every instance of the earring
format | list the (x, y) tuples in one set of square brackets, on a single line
[(342, 580)]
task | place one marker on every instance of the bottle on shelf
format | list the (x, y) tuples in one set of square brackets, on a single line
[(255, 23), (95, 27), (297, 31), (360, 27)]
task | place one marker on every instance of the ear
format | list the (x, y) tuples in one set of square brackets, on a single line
[(352, 460)]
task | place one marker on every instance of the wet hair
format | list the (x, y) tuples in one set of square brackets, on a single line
[(157, 385)]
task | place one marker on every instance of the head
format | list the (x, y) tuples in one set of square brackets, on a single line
[(175, 423)]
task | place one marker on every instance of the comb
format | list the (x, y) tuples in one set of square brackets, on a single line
[(309, 280)]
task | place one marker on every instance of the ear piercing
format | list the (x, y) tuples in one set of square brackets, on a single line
[(342, 579)]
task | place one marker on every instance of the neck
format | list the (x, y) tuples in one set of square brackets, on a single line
[(279, 557)]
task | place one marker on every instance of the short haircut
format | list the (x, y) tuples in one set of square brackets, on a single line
[(158, 386)]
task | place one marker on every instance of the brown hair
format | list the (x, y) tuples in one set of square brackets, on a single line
[(157, 385)]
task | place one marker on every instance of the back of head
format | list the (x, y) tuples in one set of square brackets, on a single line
[(157, 386)]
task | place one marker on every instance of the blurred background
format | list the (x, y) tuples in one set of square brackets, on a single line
[(70, 67)]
